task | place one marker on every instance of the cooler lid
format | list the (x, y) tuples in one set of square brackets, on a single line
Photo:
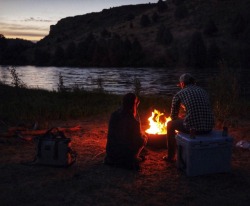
[(213, 136)]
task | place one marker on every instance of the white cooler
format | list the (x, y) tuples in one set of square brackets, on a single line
[(204, 154)]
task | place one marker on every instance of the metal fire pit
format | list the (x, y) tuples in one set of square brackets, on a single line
[(158, 141)]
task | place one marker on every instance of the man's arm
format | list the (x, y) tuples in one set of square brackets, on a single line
[(175, 108)]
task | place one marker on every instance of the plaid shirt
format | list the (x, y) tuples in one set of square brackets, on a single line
[(199, 114)]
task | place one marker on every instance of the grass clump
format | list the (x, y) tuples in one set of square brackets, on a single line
[(228, 105), (37, 105)]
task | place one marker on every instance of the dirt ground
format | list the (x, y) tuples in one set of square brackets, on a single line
[(90, 182)]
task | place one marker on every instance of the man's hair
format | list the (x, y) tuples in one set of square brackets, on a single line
[(187, 79)]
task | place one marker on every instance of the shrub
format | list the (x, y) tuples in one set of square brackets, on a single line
[(178, 2), (210, 28), (105, 33), (155, 17), (181, 12), (197, 52), (145, 21), (238, 25), (164, 35), (225, 93), (162, 6), (213, 55), (130, 17), (137, 86), (60, 86), (16, 81)]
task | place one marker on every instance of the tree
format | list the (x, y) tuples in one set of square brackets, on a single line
[(164, 35), (210, 28), (105, 33), (155, 17), (197, 52), (3, 46), (145, 21), (42, 57), (162, 6), (70, 53), (181, 12), (84, 50), (136, 56), (178, 2), (59, 56), (238, 25), (213, 55)]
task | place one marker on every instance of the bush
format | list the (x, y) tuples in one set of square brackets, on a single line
[(238, 26), (164, 35), (16, 81), (162, 6), (224, 89), (155, 17), (181, 12), (145, 21), (197, 52), (213, 55), (210, 28)]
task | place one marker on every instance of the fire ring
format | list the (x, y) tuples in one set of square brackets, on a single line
[(158, 141)]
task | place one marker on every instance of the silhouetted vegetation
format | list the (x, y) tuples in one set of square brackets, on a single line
[(181, 12), (238, 25), (197, 52), (225, 94), (164, 35), (162, 6), (155, 17), (210, 28), (178, 2), (145, 21), (213, 55), (20, 104)]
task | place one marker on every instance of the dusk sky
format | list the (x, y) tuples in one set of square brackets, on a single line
[(31, 19)]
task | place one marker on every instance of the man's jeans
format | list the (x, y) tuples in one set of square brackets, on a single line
[(171, 142)]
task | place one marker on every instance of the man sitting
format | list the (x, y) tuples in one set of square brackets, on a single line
[(198, 118)]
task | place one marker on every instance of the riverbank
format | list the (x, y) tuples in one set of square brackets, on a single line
[(90, 182)]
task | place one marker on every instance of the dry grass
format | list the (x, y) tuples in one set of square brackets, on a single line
[(90, 182)]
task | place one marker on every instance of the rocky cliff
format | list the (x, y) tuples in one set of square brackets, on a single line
[(192, 33)]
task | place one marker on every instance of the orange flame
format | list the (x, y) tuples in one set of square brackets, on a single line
[(158, 123)]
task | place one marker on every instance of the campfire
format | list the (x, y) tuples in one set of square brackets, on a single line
[(158, 123), (158, 129)]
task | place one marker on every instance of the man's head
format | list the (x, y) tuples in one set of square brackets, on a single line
[(186, 79)]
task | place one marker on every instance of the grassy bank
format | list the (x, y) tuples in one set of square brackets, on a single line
[(22, 104)]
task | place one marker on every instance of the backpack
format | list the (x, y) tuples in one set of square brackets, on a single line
[(54, 149)]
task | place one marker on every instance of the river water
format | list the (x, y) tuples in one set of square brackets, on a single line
[(154, 81)]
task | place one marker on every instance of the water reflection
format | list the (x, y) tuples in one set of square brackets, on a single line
[(158, 81)]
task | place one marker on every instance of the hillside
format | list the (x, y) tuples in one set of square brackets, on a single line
[(193, 33)]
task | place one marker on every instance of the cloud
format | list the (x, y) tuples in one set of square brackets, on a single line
[(26, 30), (28, 27), (32, 19)]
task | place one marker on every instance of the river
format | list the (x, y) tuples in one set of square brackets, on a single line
[(154, 81)]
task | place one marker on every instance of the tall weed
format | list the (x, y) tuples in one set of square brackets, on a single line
[(60, 86), (137, 87), (225, 94), (15, 79)]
